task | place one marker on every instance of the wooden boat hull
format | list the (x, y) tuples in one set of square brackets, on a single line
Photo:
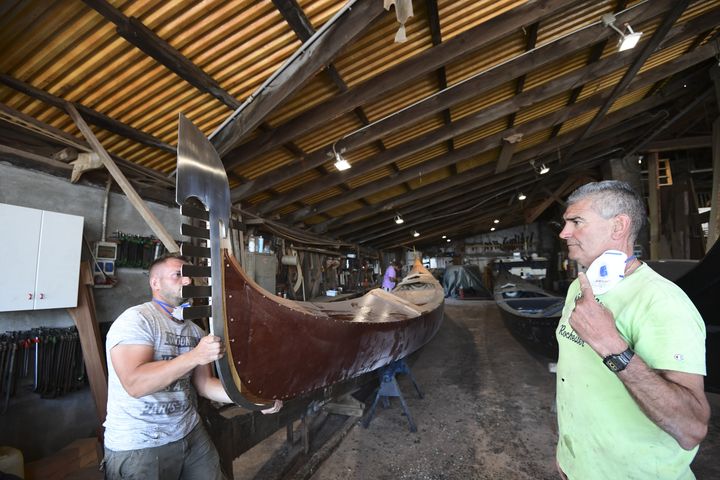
[(277, 348), (702, 285), (282, 349), (530, 314)]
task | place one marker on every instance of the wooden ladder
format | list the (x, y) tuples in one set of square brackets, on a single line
[(664, 173)]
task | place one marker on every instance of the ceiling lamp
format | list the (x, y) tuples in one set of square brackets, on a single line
[(399, 219), (448, 240), (416, 233), (628, 39), (492, 229), (522, 196), (496, 221), (444, 236), (340, 163), (542, 169)]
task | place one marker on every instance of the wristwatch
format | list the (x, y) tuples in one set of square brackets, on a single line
[(617, 363)]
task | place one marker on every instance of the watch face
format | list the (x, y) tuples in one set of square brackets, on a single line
[(617, 363), (612, 364)]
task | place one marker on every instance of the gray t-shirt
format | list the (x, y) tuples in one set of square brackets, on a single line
[(161, 417)]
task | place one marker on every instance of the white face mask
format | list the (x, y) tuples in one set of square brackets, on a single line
[(606, 271), (177, 312)]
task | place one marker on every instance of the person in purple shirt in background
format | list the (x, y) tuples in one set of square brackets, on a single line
[(390, 277)]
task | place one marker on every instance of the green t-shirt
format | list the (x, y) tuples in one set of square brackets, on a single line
[(603, 433)]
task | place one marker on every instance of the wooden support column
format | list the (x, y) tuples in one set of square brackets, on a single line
[(137, 202), (84, 317), (654, 205), (714, 221)]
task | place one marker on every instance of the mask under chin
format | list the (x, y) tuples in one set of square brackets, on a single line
[(606, 271)]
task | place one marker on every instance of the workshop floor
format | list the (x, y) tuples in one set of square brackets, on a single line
[(487, 414)]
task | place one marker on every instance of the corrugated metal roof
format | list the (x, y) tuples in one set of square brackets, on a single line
[(75, 52)]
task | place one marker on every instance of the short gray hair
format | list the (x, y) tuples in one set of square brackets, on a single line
[(613, 197)]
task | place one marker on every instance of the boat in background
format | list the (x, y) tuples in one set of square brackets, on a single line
[(702, 284), (278, 348), (529, 312)]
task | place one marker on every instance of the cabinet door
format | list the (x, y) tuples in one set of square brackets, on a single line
[(58, 268), (18, 256)]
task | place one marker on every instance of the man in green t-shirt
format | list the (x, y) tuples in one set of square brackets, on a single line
[(630, 396)]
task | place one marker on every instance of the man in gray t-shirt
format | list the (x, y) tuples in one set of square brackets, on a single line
[(156, 364)]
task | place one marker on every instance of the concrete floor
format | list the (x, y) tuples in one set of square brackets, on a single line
[(487, 414)]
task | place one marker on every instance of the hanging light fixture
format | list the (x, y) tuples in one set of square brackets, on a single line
[(448, 240), (628, 39), (496, 221), (444, 237), (415, 233), (399, 219), (340, 163), (522, 196), (542, 169), (492, 229)]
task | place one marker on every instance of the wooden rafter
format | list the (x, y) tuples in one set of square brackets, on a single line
[(682, 143), (318, 51), (137, 202), (298, 21), (427, 195), (94, 117), (648, 49), (465, 90), (420, 64), (135, 32), (570, 184), (468, 123), (63, 138)]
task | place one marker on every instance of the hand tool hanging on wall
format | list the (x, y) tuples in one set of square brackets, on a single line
[(9, 385)]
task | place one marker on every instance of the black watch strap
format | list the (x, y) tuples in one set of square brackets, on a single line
[(617, 363)]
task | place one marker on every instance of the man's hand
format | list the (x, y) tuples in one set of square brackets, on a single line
[(594, 323), (208, 349)]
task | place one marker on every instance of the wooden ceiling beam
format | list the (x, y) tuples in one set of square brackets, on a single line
[(127, 188), (432, 229), (398, 76), (96, 118), (298, 21), (137, 34), (467, 89), (314, 54), (648, 49), (488, 190), (699, 100), (446, 224), (467, 124), (50, 133), (436, 36), (46, 163), (530, 43), (683, 143), (570, 184), (434, 222), (614, 134)]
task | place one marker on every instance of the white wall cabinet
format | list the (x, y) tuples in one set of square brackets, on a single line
[(39, 258)]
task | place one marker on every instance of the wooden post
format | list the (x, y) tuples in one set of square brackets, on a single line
[(654, 205), (137, 202), (84, 317), (714, 221)]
